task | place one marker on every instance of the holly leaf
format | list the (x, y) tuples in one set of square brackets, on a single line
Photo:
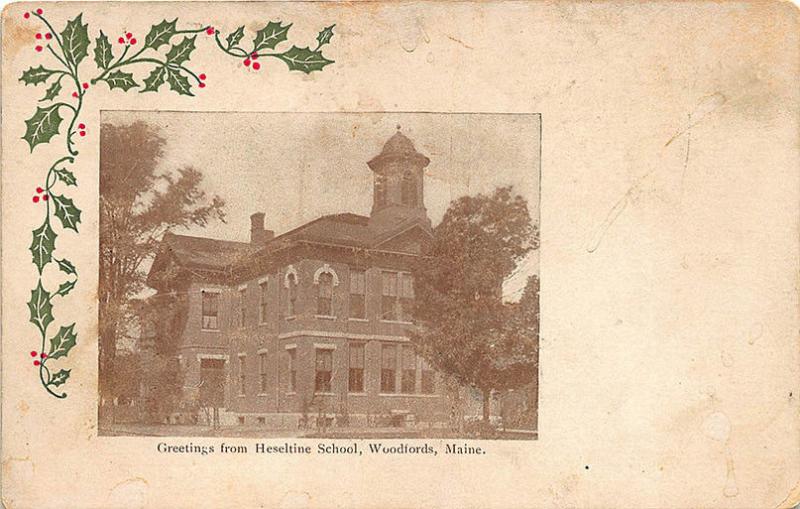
[(66, 287), (119, 79), (42, 126), (40, 308), (156, 78), (52, 92), (235, 36), (36, 75), (75, 40), (303, 59), (62, 342), (103, 53), (271, 35), (66, 211), (44, 242), (324, 36), (179, 53), (160, 34), (66, 267), (59, 378), (179, 83), (66, 176)]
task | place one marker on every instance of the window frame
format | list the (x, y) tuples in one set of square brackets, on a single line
[(326, 381), (385, 371), (404, 370), (263, 303), (362, 295), (242, 374), (358, 370), (216, 295), (263, 371), (242, 314)]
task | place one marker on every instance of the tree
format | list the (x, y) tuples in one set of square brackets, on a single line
[(464, 327), (138, 203)]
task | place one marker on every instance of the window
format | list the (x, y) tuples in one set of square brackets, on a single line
[(263, 303), (242, 371), (292, 369), (355, 381), (358, 290), (291, 301), (388, 368), (325, 294), (397, 296), (262, 371), (408, 190), (261, 420), (210, 310), (380, 190), (408, 380), (427, 385), (322, 382), (242, 307)]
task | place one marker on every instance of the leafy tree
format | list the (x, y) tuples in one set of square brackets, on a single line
[(465, 328), (138, 204)]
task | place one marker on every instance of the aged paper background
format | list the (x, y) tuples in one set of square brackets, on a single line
[(669, 260)]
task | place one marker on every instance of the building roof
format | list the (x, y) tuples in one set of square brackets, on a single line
[(398, 147), (204, 252)]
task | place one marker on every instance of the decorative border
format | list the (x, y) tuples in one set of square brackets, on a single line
[(69, 48)]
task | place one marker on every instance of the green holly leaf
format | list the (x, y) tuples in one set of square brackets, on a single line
[(66, 287), (179, 83), (179, 53), (53, 91), (44, 242), (235, 36), (156, 78), (36, 75), (66, 211), (103, 53), (59, 378), (43, 125), (303, 59), (75, 40), (325, 35), (271, 35), (119, 79), (40, 308), (62, 342), (66, 267), (160, 34), (66, 176)]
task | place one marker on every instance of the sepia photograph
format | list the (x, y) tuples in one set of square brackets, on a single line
[(337, 275)]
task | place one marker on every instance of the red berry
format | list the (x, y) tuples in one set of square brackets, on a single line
[(121, 40), (35, 199), (81, 126), (85, 86), (45, 197), (38, 36), (33, 354), (43, 355), (210, 30), (74, 94), (133, 41), (128, 35), (201, 85), (39, 190), (202, 77), (39, 11), (83, 133), (246, 62), (48, 36), (254, 56), (38, 48), (36, 363), (26, 15), (256, 66)]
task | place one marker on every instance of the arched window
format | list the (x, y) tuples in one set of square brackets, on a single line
[(290, 283), (325, 294), (380, 190), (409, 190)]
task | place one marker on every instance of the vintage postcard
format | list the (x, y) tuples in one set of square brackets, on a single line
[(400, 254)]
